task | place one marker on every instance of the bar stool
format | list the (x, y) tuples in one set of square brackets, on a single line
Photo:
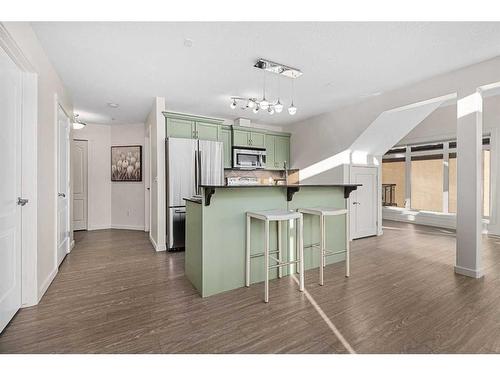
[(267, 217), (324, 212)]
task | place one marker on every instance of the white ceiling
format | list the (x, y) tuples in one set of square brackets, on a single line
[(130, 63)]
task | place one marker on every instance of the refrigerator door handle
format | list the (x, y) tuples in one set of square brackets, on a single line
[(199, 173), (196, 172)]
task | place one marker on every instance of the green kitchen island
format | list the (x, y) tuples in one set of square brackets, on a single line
[(216, 224)]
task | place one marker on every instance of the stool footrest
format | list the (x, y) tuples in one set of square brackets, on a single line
[(257, 255), (331, 252), (282, 264), (317, 245)]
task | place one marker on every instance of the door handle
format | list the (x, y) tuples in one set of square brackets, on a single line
[(61, 195), (354, 203), (179, 211), (21, 201)]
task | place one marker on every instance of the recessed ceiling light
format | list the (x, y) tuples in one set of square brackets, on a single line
[(188, 42), (113, 105)]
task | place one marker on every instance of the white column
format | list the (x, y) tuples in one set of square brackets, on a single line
[(469, 184)]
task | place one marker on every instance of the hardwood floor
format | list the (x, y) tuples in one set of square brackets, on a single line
[(114, 294)]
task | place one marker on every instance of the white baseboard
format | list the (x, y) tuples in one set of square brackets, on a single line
[(127, 227), (45, 285), (116, 226), (98, 227), (72, 245), (469, 272), (157, 247), (420, 217)]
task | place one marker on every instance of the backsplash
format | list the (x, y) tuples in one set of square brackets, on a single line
[(264, 175)]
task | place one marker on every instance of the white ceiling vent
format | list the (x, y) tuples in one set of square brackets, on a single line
[(242, 122)]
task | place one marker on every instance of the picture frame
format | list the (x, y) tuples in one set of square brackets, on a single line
[(126, 163)]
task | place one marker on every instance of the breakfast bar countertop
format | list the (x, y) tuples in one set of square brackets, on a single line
[(278, 185)]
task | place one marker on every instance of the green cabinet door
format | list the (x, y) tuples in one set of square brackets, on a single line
[(206, 131), (257, 139), (282, 151), (241, 138), (225, 138), (270, 162), (178, 128)]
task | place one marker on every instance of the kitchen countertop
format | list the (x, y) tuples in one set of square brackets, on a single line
[(194, 200), (209, 190), (281, 186)]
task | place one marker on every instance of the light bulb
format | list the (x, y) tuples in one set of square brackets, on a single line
[(233, 104), (78, 125), (270, 110), (251, 104), (256, 109), (264, 104), (278, 107), (292, 110)]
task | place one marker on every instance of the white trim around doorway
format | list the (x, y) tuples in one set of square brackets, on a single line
[(29, 167)]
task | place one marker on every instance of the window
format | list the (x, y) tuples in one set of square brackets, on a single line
[(452, 177), (428, 189), (393, 182), (427, 183)]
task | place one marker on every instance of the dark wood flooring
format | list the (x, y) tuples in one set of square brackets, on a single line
[(114, 294)]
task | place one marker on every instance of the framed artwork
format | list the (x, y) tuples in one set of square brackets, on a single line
[(126, 163)]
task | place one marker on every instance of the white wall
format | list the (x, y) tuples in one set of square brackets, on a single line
[(112, 204), (50, 90), (127, 198), (442, 123), (99, 180), (155, 123)]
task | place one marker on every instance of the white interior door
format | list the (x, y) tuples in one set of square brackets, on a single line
[(79, 159), (10, 189), (364, 202), (63, 227)]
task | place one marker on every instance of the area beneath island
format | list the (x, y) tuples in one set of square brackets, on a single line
[(215, 231)]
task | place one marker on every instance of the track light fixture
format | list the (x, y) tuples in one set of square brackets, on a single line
[(264, 104)]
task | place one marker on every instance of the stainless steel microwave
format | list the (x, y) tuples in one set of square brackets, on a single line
[(249, 158)]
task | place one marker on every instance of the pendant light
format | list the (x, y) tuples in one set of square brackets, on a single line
[(264, 104), (278, 106), (78, 124), (292, 109)]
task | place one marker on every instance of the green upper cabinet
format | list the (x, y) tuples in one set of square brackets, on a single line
[(282, 151), (257, 139), (225, 138), (195, 127), (179, 128), (241, 138), (270, 162), (247, 138), (277, 151), (206, 131)]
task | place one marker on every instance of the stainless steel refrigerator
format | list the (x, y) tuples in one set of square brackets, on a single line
[(189, 163)]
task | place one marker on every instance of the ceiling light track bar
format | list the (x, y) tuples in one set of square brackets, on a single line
[(277, 68)]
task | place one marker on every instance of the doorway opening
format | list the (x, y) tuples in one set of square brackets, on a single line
[(79, 162)]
